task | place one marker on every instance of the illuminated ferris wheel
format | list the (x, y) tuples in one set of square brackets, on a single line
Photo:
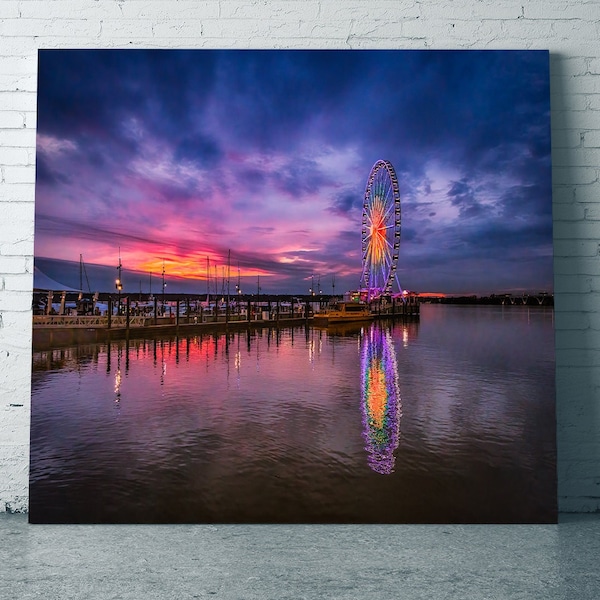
[(381, 221)]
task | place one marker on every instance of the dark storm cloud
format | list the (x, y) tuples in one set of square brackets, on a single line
[(275, 96), (346, 203), (426, 101), (299, 177), (180, 193), (92, 90), (253, 179), (527, 200), (462, 195), (201, 150), (45, 175), (63, 227), (513, 239)]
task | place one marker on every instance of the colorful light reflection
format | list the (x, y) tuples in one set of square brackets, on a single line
[(381, 403)]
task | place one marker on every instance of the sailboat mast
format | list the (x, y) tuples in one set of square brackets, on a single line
[(207, 279), (228, 272)]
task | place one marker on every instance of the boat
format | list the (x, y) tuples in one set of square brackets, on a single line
[(344, 312)]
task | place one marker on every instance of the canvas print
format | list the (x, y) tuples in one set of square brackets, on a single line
[(293, 286)]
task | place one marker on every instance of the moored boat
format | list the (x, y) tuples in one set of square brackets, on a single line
[(344, 312)]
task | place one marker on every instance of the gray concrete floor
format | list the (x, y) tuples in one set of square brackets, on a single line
[(245, 562)]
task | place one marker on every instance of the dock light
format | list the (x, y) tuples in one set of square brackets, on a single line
[(118, 285)]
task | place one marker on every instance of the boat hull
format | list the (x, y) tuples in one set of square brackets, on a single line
[(344, 313)]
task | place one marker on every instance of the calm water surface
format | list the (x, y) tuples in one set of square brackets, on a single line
[(448, 420)]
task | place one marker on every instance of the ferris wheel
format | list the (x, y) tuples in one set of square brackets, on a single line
[(381, 221)]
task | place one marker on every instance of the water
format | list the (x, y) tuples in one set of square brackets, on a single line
[(448, 420)]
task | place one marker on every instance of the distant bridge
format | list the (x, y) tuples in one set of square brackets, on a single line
[(541, 299)]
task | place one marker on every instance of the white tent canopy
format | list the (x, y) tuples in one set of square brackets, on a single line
[(43, 283)]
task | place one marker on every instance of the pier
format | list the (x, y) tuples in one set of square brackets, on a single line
[(188, 315)]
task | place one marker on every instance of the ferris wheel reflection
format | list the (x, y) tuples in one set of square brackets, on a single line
[(381, 402)]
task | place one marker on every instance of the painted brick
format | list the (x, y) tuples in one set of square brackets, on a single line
[(589, 338), (12, 418), (19, 248), (575, 230), (290, 10), (22, 282), (16, 192), (570, 102), (16, 231), (582, 302), (17, 301), (594, 319), (586, 84), (357, 10), (11, 64), (538, 29), (12, 264), (568, 212), (563, 194), (9, 9), (181, 10), (591, 212), (64, 9), (588, 193), (19, 174), (49, 27), (591, 139), (568, 66), (579, 175), (13, 156), (18, 101), (576, 247), (574, 320), (372, 29), (18, 83), (186, 29), (564, 265), (18, 138), (580, 157), (474, 11), (582, 119), (570, 28), (561, 10), (125, 28), (11, 119), (578, 358), (566, 138)]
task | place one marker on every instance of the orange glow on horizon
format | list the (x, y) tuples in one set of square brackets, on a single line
[(195, 268), (432, 295)]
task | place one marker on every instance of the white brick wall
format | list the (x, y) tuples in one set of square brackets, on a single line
[(570, 30)]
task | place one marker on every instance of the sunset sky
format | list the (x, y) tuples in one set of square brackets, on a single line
[(179, 155)]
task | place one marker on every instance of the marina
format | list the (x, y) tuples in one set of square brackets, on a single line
[(146, 318)]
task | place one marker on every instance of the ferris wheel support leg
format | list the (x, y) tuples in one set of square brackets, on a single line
[(398, 282)]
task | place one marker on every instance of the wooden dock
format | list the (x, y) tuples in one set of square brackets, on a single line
[(51, 331), (55, 331)]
